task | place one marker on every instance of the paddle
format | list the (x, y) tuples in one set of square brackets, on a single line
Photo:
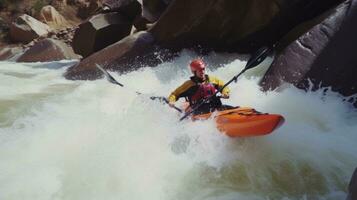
[(253, 61), (111, 79)]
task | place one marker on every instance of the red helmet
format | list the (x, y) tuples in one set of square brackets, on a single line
[(197, 65)]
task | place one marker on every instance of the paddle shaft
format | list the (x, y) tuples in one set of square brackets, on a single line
[(112, 80)]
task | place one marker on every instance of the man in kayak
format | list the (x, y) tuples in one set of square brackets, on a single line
[(199, 87)]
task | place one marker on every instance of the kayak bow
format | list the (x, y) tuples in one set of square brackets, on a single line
[(243, 121)]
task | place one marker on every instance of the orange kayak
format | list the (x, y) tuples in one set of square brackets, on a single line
[(243, 121)]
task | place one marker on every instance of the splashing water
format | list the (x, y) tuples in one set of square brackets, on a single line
[(64, 139)]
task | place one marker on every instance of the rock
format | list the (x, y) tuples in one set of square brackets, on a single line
[(152, 9), (10, 52), (53, 18), (129, 8), (27, 28), (232, 25), (324, 56), (352, 187), (128, 54), (48, 50), (100, 31), (87, 8)]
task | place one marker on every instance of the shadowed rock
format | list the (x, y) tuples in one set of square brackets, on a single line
[(325, 55), (100, 31), (48, 50), (86, 8), (223, 25), (126, 55), (129, 8), (232, 25), (152, 9)]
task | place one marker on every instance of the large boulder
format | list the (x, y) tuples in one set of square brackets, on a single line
[(100, 31), (152, 9), (233, 25), (27, 28), (87, 8), (53, 18), (48, 50), (324, 56), (128, 54), (129, 8)]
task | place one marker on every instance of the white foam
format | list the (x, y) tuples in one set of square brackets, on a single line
[(96, 140)]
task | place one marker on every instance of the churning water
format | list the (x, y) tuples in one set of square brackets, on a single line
[(62, 139)]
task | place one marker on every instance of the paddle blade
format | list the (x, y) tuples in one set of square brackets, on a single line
[(257, 57), (108, 76)]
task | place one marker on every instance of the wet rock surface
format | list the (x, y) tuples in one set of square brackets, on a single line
[(48, 50), (322, 57)]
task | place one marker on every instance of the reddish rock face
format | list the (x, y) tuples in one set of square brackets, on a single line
[(100, 31), (27, 28), (126, 55), (48, 50), (233, 25), (324, 56)]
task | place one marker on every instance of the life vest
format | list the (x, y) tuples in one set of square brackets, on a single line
[(204, 91)]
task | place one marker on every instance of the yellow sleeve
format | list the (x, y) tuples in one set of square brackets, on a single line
[(220, 84), (178, 91)]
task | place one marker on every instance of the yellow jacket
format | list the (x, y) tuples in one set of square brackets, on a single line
[(189, 87)]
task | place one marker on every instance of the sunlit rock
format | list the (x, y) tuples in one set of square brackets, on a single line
[(323, 56), (48, 50), (27, 28), (53, 18)]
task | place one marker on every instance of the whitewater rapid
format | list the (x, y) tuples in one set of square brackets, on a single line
[(62, 139)]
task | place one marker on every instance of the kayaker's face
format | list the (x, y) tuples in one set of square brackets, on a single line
[(201, 74)]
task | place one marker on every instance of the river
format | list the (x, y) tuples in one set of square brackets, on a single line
[(62, 139)]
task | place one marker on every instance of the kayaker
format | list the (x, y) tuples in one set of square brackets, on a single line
[(199, 87)]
